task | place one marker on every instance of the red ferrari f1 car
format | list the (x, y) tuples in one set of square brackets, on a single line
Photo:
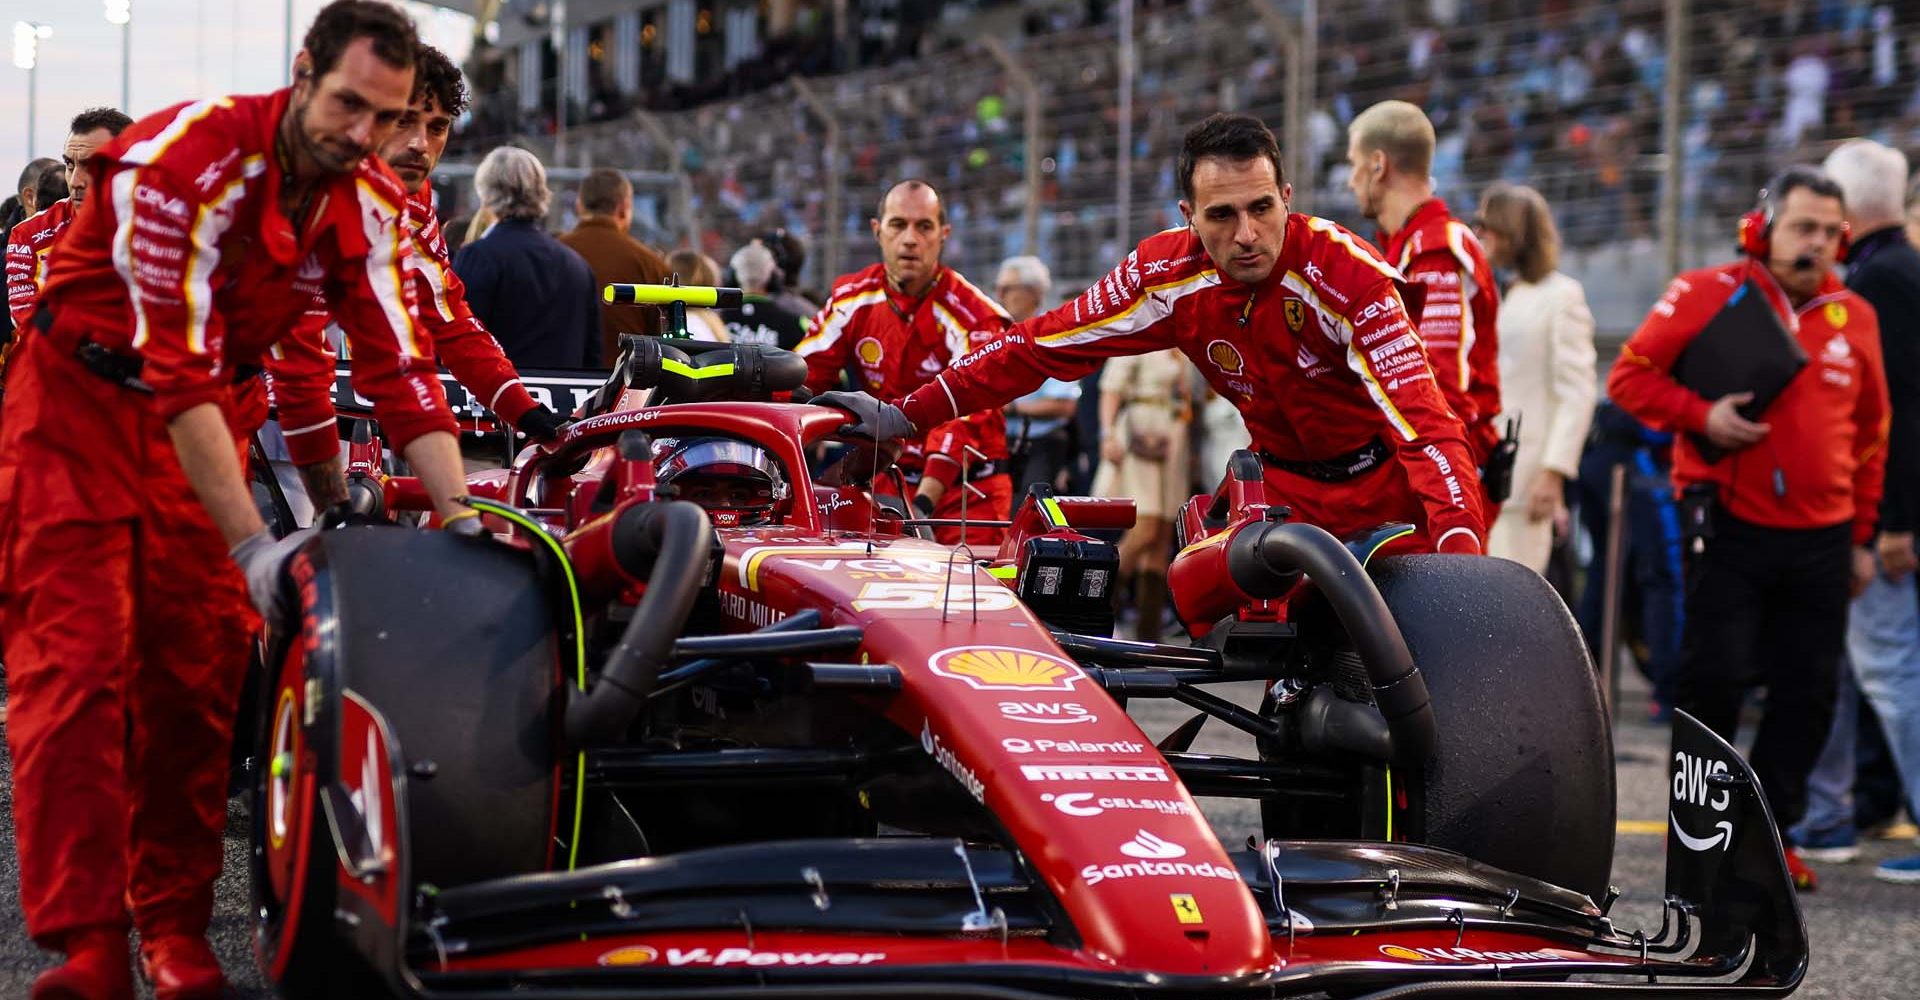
[(699, 721)]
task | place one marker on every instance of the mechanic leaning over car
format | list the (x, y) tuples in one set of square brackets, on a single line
[(1778, 525), (32, 241), (1297, 321), (301, 366), (1390, 150), (129, 540), (900, 322)]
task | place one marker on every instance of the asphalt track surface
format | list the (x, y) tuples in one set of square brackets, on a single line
[(1865, 934)]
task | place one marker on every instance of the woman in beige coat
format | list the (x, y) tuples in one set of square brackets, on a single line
[(1546, 370), (1146, 405)]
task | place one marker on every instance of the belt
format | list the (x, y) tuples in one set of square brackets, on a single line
[(1337, 469), (119, 367)]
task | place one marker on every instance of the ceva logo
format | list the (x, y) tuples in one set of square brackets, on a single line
[(1148, 847)]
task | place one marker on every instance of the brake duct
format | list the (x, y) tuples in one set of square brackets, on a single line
[(1265, 559), (666, 546)]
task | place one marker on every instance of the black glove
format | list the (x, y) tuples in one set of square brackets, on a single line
[(540, 423), (924, 504), (873, 418), (263, 561)]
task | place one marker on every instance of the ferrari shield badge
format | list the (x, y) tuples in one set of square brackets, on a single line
[(1296, 311), (1186, 909)]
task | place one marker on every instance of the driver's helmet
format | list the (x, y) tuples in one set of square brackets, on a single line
[(736, 482)]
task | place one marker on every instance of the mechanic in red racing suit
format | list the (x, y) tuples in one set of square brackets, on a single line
[(1390, 149), (30, 242), (897, 324), (123, 510), (301, 367), (1297, 321)]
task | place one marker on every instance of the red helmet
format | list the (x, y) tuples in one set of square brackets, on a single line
[(736, 482)]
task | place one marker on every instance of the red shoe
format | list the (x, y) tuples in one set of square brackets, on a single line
[(1803, 877), (96, 969), (182, 967)]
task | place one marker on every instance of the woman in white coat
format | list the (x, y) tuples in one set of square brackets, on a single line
[(1546, 369)]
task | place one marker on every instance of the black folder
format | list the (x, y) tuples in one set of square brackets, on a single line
[(1743, 348)]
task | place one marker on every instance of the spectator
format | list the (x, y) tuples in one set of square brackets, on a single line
[(759, 319), (1040, 438), (695, 268), (1146, 404), (1795, 502), (1546, 370), (605, 207), (789, 256), (535, 295), (1883, 628), (1651, 598)]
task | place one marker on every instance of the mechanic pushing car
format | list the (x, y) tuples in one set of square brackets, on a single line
[(900, 322), (1779, 510), (1390, 152), (125, 617), (302, 365), (30, 242), (1296, 320)]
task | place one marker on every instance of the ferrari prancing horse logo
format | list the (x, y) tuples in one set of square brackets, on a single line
[(1296, 311)]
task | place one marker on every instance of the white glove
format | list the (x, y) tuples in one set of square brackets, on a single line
[(263, 560)]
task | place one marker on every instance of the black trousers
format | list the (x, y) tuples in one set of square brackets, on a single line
[(1768, 607), (1042, 461)]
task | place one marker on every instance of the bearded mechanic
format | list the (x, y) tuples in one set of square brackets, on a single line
[(302, 366), (125, 618), (898, 323), (1294, 319)]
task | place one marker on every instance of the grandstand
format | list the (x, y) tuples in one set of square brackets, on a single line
[(803, 129)]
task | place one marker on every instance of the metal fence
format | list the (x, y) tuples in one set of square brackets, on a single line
[(1062, 143)]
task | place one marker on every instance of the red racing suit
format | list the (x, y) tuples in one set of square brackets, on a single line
[(1459, 318), (1319, 358), (27, 248), (126, 625), (889, 345), (1823, 462), (301, 367)]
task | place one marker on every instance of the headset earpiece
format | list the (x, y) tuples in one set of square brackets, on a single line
[(1756, 234)]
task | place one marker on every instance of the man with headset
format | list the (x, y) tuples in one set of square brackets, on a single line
[(1782, 518)]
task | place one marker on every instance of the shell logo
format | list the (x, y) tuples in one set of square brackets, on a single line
[(638, 954), (1836, 315), (869, 350), (1225, 357), (1002, 668), (1404, 954)]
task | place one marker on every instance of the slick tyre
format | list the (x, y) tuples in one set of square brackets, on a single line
[(1522, 776), (450, 642)]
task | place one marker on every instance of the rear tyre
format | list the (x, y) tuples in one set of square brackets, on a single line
[(1522, 775)]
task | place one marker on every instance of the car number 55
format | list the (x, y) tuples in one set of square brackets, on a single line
[(900, 596)]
